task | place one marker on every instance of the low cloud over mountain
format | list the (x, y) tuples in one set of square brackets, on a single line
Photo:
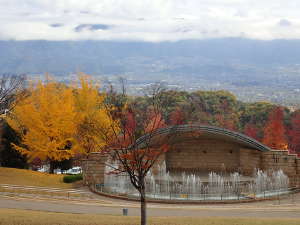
[(91, 27), (148, 20)]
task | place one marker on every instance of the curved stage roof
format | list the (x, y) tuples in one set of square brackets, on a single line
[(210, 132)]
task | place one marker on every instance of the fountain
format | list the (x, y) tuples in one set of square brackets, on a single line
[(162, 185)]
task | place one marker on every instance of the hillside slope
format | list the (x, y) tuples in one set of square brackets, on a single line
[(31, 178)]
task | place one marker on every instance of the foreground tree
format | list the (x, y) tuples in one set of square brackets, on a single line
[(274, 131), (135, 156)]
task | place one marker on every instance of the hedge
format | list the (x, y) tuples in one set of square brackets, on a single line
[(72, 178)]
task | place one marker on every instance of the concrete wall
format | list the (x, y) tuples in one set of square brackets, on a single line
[(281, 159), (250, 159), (93, 169), (203, 156)]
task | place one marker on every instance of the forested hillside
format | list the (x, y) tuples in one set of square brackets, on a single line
[(275, 126), (222, 109)]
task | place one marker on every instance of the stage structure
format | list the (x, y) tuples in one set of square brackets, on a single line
[(203, 163)]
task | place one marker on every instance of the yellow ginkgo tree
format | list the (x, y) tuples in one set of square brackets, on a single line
[(94, 124), (57, 122)]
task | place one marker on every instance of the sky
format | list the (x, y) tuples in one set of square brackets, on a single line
[(148, 20)]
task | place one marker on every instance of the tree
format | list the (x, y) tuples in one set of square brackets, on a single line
[(274, 131), (217, 108), (295, 133), (254, 113), (136, 157), (227, 123), (45, 122), (92, 117), (57, 122), (10, 86), (251, 131), (176, 117), (9, 157)]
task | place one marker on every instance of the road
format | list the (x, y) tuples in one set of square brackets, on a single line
[(288, 208)]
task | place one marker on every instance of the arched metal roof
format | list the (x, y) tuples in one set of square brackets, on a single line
[(213, 132)]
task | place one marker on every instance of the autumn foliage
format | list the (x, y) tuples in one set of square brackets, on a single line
[(45, 122), (274, 132), (135, 146), (154, 121), (92, 117), (176, 117), (57, 122), (124, 144), (251, 131), (224, 122)]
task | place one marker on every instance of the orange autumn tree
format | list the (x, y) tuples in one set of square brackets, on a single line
[(135, 147), (45, 122), (92, 117), (56, 122), (274, 131)]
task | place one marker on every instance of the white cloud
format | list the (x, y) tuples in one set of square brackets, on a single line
[(148, 20)]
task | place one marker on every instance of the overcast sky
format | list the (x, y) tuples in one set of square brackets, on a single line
[(148, 20)]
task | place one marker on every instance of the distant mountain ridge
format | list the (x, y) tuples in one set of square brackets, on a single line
[(107, 57), (253, 70)]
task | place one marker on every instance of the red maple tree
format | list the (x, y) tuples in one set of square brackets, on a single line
[(154, 121), (135, 146), (274, 131)]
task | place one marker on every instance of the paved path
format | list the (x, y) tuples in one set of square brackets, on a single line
[(286, 209)]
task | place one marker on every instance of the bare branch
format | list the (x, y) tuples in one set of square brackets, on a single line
[(10, 86)]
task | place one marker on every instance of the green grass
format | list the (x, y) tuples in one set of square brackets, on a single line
[(28, 217)]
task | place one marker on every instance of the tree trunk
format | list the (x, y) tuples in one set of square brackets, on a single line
[(143, 207), (52, 167)]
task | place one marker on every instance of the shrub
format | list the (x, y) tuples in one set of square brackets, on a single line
[(72, 178)]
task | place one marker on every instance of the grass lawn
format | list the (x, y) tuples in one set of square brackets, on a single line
[(27, 217), (31, 178)]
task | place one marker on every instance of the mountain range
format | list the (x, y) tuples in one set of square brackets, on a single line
[(270, 69)]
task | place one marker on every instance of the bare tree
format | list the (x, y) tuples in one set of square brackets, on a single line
[(135, 145), (10, 86)]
